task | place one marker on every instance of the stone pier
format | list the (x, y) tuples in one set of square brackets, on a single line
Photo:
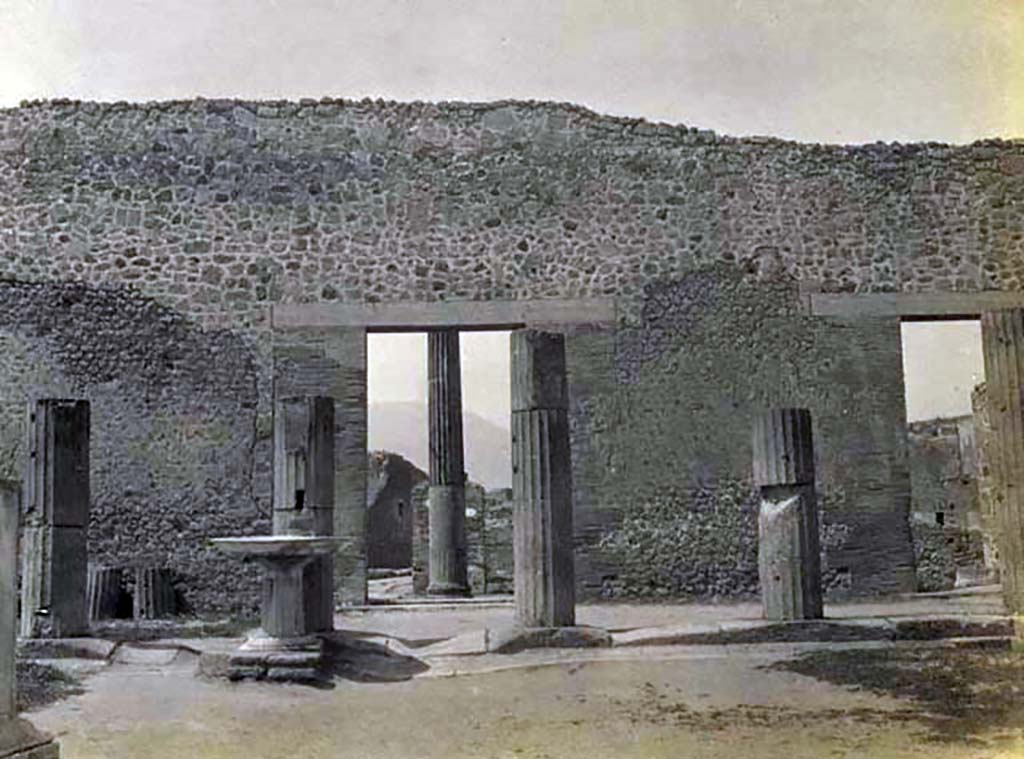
[(541, 482), (1002, 336), (304, 493), (18, 738), (789, 554), (542, 524), (54, 557), (447, 563)]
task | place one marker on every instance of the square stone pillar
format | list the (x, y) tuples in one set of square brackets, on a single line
[(789, 553), (541, 482), (304, 492), (54, 556), (448, 565), (1002, 336), (18, 738), (331, 362)]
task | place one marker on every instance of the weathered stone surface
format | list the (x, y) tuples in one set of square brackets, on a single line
[(304, 476), (703, 241), (789, 564), (390, 482), (446, 498), (987, 474), (541, 482), (20, 740), (332, 364), (1002, 334), (10, 507), (511, 640), (54, 554)]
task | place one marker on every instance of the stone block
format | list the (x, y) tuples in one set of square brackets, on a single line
[(511, 640), (54, 582), (57, 482), (19, 739)]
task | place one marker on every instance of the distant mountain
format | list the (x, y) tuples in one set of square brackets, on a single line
[(402, 427)]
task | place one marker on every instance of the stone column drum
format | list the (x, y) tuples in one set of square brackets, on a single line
[(541, 482), (54, 557), (789, 560), (304, 494), (1002, 336), (18, 738), (447, 562)]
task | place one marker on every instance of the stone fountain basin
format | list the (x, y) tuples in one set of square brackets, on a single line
[(277, 545)]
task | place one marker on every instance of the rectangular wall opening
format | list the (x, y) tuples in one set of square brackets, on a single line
[(398, 442), (944, 378)]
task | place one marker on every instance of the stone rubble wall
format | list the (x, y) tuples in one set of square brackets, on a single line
[(176, 226)]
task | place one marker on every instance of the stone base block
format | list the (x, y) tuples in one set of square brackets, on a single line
[(289, 663), (19, 739), (449, 590), (510, 640)]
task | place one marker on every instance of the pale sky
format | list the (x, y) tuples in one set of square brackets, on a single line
[(847, 71)]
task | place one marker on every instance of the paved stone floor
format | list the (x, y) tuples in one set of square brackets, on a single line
[(867, 699)]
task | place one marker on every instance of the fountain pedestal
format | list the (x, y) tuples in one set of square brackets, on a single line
[(284, 648)]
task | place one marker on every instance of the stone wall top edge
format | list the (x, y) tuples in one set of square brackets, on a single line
[(290, 108)]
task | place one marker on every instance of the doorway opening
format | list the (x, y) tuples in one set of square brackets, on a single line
[(398, 459), (944, 378)]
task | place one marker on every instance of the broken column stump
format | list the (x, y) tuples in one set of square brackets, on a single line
[(1002, 337), (542, 531), (154, 593), (448, 564), (54, 556), (789, 560), (304, 492), (18, 738), (105, 592)]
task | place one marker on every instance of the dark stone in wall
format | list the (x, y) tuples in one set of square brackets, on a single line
[(175, 459), (208, 212), (712, 349)]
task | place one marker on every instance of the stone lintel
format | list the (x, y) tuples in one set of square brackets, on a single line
[(911, 306), (407, 316)]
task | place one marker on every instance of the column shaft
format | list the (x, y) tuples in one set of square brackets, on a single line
[(55, 566), (10, 493), (447, 563), (789, 553), (304, 465), (541, 482), (1002, 334)]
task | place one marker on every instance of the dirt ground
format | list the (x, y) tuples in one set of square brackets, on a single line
[(750, 701)]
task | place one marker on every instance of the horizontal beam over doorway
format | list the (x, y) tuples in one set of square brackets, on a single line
[(417, 316), (911, 306)]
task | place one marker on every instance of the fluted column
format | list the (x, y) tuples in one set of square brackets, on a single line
[(55, 566), (545, 594), (304, 493), (447, 563), (1002, 335), (789, 560)]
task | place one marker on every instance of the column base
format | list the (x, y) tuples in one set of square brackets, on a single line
[(19, 739), (516, 638), (287, 660), (449, 589)]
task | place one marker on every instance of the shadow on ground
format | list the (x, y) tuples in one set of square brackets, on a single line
[(41, 684), (350, 658), (959, 694)]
